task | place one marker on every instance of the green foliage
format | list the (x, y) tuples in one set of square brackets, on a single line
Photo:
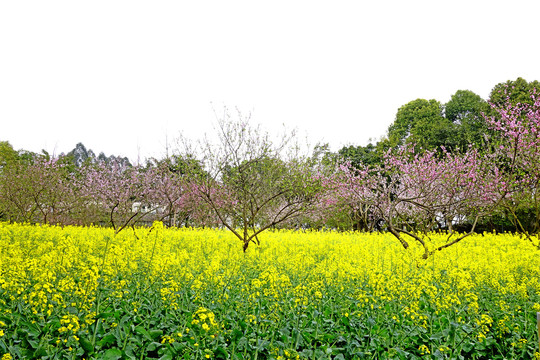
[(80, 156), (466, 110), (180, 164), (323, 158), (361, 155), (517, 91), (7, 154), (421, 122), (463, 105), (457, 124)]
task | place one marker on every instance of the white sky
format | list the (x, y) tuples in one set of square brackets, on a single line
[(123, 76)]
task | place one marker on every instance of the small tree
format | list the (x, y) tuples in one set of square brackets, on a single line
[(251, 183), (415, 194), (118, 194), (516, 149), (39, 190), (170, 191)]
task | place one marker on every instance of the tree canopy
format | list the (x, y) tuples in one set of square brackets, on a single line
[(515, 91), (465, 110), (420, 122)]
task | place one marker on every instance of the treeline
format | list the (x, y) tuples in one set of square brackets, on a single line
[(468, 165), (80, 188), (460, 123)]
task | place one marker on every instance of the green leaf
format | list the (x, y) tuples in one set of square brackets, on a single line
[(33, 343), (221, 353), (142, 331), (86, 345), (112, 354), (29, 329), (236, 334), (130, 352), (40, 351), (135, 340), (167, 356), (155, 334), (107, 340), (153, 346), (105, 315)]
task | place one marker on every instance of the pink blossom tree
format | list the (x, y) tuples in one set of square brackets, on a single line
[(42, 189), (118, 194), (176, 194), (166, 193), (416, 194), (516, 150)]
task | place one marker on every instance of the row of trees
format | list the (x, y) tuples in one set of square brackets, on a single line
[(247, 182), (456, 125)]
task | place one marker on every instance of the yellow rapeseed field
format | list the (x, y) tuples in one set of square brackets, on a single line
[(84, 292)]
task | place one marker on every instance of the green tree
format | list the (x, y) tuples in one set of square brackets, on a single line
[(361, 155), (80, 156), (421, 122), (7, 154), (517, 91), (177, 164), (464, 104), (323, 158), (465, 109)]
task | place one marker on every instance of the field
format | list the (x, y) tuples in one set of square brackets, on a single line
[(82, 292)]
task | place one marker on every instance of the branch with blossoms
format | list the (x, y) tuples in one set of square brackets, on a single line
[(516, 151), (41, 190), (345, 201), (170, 192), (416, 194), (119, 194)]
